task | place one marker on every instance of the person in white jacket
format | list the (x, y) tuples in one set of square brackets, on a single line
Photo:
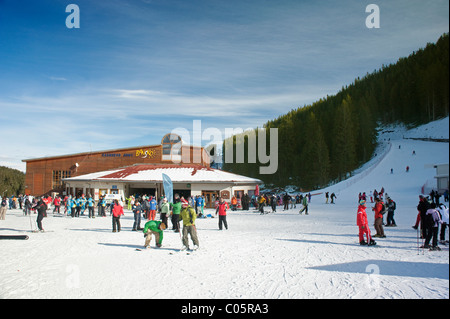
[(445, 223)]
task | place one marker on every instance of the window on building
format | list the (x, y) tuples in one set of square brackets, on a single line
[(171, 147), (57, 178)]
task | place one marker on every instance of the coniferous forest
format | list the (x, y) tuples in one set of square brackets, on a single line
[(12, 181), (324, 142)]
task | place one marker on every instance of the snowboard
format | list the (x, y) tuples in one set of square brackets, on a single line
[(19, 237)]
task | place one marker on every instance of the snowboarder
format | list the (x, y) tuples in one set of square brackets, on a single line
[(156, 228), (188, 216), (363, 224), (222, 210)]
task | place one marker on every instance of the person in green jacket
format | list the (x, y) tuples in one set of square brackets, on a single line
[(176, 209), (156, 228), (188, 216)]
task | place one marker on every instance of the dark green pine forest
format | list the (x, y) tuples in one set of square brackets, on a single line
[(12, 181), (324, 142)]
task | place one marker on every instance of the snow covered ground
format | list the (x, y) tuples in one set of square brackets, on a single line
[(281, 255)]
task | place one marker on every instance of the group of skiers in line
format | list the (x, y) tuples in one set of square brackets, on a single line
[(430, 216), (380, 208)]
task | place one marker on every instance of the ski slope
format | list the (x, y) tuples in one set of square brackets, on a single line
[(277, 256)]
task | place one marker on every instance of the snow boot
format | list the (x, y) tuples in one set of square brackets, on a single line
[(362, 242), (372, 243)]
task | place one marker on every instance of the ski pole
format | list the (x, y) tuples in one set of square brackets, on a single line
[(418, 246)]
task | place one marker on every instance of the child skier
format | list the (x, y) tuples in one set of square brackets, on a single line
[(361, 221)]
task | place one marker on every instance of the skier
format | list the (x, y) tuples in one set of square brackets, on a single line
[(327, 196), (363, 224), (422, 208), (156, 228), (222, 210), (41, 208), (188, 216), (305, 205), (117, 211), (273, 203), (261, 201), (432, 222), (333, 196)]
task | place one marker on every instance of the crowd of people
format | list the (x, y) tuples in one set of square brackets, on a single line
[(431, 216)]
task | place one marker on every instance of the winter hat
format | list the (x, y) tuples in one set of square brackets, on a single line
[(184, 203), (162, 226)]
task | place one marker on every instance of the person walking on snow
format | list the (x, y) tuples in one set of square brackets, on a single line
[(222, 210), (188, 216), (305, 205), (154, 227)]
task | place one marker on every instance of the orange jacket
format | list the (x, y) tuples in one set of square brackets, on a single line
[(379, 206)]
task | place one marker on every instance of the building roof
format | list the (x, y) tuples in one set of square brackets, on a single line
[(177, 173)]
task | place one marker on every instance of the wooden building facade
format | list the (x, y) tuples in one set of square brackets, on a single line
[(45, 175)]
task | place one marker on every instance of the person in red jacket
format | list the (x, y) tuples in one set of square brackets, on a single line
[(363, 224), (222, 210), (379, 210), (117, 211)]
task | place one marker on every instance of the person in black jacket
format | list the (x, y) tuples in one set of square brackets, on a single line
[(41, 208), (423, 206)]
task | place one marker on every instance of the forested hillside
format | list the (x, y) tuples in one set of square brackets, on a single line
[(12, 181), (326, 141)]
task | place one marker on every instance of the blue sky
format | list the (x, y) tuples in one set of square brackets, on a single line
[(138, 69)]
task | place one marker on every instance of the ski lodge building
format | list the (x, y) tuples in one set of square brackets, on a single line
[(136, 170)]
